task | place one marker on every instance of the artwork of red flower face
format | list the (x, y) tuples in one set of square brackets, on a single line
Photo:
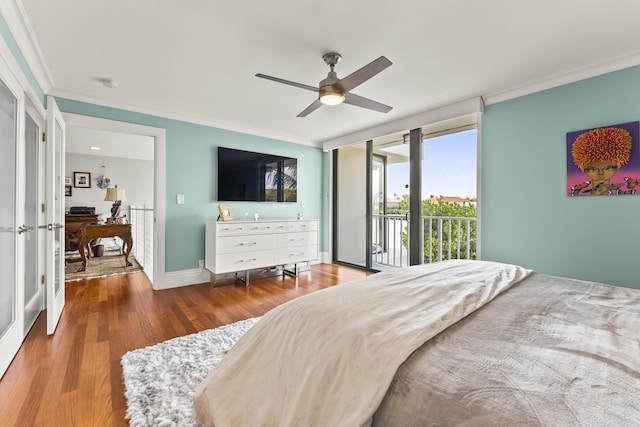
[(604, 161)]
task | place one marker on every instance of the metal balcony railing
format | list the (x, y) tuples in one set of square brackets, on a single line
[(141, 219), (443, 238)]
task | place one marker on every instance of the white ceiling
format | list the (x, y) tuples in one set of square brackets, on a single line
[(196, 60), (99, 142)]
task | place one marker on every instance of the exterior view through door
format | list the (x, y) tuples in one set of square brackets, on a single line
[(406, 199)]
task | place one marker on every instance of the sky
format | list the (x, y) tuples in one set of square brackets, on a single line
[(448, 167)]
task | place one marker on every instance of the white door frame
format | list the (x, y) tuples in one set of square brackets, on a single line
[(159, 196)]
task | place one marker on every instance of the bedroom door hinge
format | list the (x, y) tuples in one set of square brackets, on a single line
[(44, 137), (42, 280), (43, 208)]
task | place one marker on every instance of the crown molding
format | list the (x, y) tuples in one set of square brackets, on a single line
[(73, 96), (593, 70), (15, 16)]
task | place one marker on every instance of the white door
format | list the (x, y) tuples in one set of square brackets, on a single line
[(54, 194), (33, 272), (11, 198)]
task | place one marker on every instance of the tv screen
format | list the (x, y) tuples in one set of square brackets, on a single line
[(246, 176)]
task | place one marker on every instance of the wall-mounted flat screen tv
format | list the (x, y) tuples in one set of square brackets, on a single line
[(246, 176)]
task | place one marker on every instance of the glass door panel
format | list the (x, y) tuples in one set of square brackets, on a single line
[(449, 189), (8, 294), (390, 225), (11, 260), (54, 213), (351, 214), (33, 291)]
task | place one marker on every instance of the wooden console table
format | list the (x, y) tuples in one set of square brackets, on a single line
[(89, 232)]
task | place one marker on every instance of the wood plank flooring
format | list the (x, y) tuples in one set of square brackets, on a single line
[(74, 377)]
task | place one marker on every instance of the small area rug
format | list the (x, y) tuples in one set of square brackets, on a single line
[(160, 380), (101, 267)]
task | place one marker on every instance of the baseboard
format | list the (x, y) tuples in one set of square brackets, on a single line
[(177, 279)]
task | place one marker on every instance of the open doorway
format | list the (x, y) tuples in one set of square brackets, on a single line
[(111, 154)]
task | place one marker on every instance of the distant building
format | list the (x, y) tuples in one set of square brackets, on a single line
[(449, 199)]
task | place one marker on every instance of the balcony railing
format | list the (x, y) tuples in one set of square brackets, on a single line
[(443, 238), (142, 219)]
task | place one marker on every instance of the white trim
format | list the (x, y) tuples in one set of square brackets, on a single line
[(594, 70), (15, 16), (459, 109), (16, 70), (159, 274), (178, 279)]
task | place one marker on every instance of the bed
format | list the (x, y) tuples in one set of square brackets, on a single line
[(458, 343)]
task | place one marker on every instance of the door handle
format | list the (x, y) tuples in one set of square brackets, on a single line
[(24, 229), (50, 227), (407, 216)]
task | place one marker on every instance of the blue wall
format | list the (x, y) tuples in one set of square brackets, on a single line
[(526, 216), (191, 170)]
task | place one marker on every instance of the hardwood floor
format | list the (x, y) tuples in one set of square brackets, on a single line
[(74, 377)]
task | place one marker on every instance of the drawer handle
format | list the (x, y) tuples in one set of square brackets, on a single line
[(301, 253), (248, 244), (297, 240), (247, 260)]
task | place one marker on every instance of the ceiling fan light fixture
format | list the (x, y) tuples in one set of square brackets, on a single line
[(331, 96)]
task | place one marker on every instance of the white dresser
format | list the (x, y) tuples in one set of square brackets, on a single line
[(238, 246)]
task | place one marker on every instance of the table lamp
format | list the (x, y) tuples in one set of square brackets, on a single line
[(115, 195)]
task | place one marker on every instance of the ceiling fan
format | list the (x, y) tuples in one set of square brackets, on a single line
[(334, 91)]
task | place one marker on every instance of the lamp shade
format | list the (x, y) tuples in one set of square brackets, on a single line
[(115, 194)]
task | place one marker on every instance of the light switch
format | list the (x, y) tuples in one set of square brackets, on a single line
[(180, 199)]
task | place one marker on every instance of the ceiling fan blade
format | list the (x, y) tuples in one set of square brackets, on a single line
[(288, 82), (363, 74), (350, 98), (310, 109)]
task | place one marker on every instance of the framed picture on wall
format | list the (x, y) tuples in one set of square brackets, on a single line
[(604, 161), (82, 179), (68, 181), (67, 190), (225, 213)]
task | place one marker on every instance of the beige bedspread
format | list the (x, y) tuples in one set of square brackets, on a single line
[(547, 352), (327, 359)]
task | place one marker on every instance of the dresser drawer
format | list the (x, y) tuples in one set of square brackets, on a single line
[(259, 228), (287, 240), (240, 261), (285, 256), (230, 229), (303, 225), (233, 244)]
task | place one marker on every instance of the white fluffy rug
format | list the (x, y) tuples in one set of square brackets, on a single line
[(160, 380)]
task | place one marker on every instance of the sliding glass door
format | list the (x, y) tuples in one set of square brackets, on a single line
[(406, 199)]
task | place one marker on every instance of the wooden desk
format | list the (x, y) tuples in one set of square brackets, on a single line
[(72, 224), (89, 232)]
